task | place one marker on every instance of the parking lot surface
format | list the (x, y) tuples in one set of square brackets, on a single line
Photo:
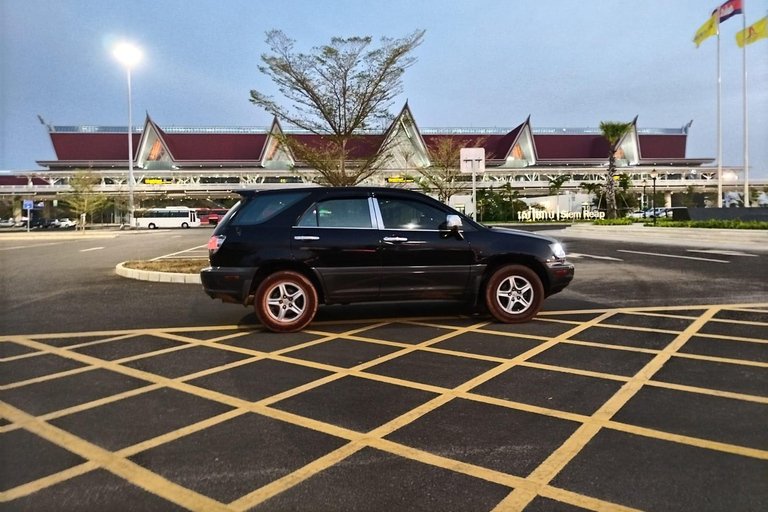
[(634, 408)]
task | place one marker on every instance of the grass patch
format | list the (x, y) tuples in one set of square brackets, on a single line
[(623, 221), (712, 224), (189, 266)]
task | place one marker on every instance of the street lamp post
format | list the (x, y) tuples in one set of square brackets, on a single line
[(654, 175), (645, 198), (129, 56)]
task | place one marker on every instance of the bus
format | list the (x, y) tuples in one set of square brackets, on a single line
[(168, 217)]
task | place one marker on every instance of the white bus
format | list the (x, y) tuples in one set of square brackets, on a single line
[(168, 217)]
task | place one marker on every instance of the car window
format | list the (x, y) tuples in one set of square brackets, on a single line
[(408, 214), (263, 207), (338, 213)]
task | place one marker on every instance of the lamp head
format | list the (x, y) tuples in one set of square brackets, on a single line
[(128, 54), (654, 174)]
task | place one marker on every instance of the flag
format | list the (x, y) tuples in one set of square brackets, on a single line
[(729, 9), (752, 33), (706, 30)]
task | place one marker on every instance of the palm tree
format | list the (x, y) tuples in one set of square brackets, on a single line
[(613, 133)]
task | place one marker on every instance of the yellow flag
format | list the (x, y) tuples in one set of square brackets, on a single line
[(752, 33), (706, 30)]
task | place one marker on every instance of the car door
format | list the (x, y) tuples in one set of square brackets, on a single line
[(418, 260), (338, 239)]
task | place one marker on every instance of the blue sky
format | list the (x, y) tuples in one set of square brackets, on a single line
[(565, 63)]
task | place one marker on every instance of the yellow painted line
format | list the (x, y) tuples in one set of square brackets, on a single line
[(119, 466), (622, 348), (88, 405), (739, 322), (642, 329), (730, 338), (742, 362), (42, 483), (689, 440), (20, 356), (662, 315), (557, 321), (575, 371), (44, 378), (711, 392), (178, 434), (276, 487), (99, 342), (547, 470), (579, 500)]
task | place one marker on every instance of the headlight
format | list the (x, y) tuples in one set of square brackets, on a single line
[(558, 251)]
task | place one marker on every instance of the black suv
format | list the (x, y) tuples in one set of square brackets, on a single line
[(285, 251)]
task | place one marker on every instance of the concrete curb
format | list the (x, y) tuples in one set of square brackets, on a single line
[(156, 277)]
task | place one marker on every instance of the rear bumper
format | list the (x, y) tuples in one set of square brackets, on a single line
[(560, 276), (230, 284)]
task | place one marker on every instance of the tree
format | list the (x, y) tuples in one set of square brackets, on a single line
[(612, 132), (336, 92), (84, 199), (444, 175), (556, 184)]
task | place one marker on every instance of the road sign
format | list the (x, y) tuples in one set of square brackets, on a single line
[(472, 159), (28, 205)]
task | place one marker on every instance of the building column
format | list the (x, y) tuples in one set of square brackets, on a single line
[(668, 199)]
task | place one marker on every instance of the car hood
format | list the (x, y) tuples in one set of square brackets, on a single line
[(518, 232)]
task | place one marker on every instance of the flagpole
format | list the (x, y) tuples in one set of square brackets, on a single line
[(746, 123), (719, 125)]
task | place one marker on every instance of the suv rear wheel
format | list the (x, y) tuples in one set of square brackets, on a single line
[(285, 302), (514, 294)]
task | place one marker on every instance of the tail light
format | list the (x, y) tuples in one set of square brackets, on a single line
[(214, 243)]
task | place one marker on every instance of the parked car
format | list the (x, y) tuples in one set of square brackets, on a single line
[(7, 223), (63, 223), (36, 223), (639, 214), (286, 251)]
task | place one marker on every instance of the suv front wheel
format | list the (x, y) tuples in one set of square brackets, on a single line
[(514, 294), (285, 302)]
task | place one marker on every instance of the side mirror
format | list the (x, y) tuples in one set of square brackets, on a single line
[(453, 227)]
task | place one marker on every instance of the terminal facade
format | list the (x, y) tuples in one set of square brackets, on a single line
[(215, 162)]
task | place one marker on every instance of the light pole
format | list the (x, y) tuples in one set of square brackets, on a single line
[(129, 56), (654, 175), (645, 198)]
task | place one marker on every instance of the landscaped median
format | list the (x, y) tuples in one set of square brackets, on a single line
[(181, 271)]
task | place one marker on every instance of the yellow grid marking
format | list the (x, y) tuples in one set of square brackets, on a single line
[(543, 475), (357, 440)]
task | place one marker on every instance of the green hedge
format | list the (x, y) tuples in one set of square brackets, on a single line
[(614, 222), (713, 223)]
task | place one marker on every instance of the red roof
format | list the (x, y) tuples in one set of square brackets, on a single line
[(19, 181), (571, 147), (216, 146), (662, 146), (494, 149), (362, 146), (93, 146)]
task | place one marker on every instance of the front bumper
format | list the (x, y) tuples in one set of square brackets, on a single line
[(230, 284), (560, 275)]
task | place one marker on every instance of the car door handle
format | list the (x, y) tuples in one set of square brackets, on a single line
[(305, 238), (395, 239)]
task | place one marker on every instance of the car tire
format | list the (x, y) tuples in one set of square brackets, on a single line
[(514, 294), (184, 225), (285, 301), (151, 226)]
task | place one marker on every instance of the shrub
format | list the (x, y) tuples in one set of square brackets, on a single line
[(712, 224), (622, 221)]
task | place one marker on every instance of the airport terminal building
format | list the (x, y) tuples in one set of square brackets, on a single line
[(215, 162)]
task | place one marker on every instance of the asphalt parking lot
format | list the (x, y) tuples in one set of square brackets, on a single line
[(656, 399)]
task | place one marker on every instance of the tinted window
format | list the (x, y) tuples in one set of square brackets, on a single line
[(338, 213), (264, 207), (407, 214)]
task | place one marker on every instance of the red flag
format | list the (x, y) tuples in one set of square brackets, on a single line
[(728, 9)]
